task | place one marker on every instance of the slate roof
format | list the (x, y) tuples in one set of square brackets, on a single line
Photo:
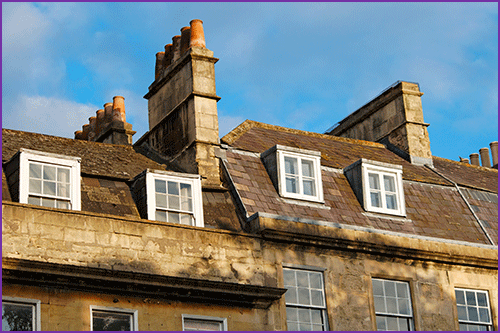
[(106, 173), (433, 205)]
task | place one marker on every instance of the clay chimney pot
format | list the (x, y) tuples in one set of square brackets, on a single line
[(92, 123), (108, 112), (485, 157), (185, 39), (119, 108), (85, 131), (474, 158), (197, 34), (78, 135), (494, 152), (159, 66), (99, 125), (176, 47), (168, 55)]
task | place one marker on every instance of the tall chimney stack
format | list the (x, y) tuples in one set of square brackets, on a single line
[(395, 119), (182, 107), (474, 159)]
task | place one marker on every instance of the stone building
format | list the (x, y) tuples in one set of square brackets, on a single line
[(267, 228)]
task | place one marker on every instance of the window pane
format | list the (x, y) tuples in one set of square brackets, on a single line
[(111, 321), (173, 188), (291, 295), (484, 315), (391, 201), (35, 171), (308, 187), (392, 306), (375, 199), (402, 290), (460, 296), (34, 200), (49, 172), (316, 297), (161, 200), (49, 188), (292, 314), (304, 296), (187, 204), (48, 202), (161, 216), (186, 219), (462, 312), (302, 279), (304, 315), (63, 190), (35, 186), (315, 280), (173, 202), (381, 324), (403, 324), (378, 287), (389, 184), (62, 204), (471, 297), (305, 327), (63, 175), (173, 217), (292, 326), (17, 317), (291, 185), (291, 165), (160, 186), (392, 324), (390, 288), (481, 299), (186, 190), (379, 304), (316, 316), (404, 307), (473, 315), (374, 182), (289, 277), (307, 168)]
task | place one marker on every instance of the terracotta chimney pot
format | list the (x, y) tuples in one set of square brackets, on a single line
[(176, 47), (85, 131), (185, 39), (92, 123), (99, 125), (119, 108), (464, 160), (197, 34), (485, 157), (494, 152), (159, 66), (474, 158), (168, 55), (108, 112), (78, 135)]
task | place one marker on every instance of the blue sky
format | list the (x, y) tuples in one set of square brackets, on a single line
[(298, 65)]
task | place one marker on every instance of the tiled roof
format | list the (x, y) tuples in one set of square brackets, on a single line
[(99, 159), (432, 210), (340, 152)]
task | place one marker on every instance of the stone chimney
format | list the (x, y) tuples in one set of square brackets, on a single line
[(395, 119), (484, 153), (182, 106), (109, 125)]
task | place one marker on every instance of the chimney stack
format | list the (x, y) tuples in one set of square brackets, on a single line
[(474, 159), (109, 125), (393, 118), (182, 107), (160, 61)]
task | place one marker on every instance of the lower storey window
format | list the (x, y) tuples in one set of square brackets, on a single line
[(20, 314), (473, 310), (113, 319), (305, 300), (203, 323), (393, 309)]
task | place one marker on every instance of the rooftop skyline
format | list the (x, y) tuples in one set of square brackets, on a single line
[(298, 65)]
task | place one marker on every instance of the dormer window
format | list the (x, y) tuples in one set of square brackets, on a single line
[(49, 180), (174, 197), (378, 186), (295, 172)]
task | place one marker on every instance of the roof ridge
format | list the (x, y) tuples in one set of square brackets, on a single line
[(466, 164), (245, 126), (64, 138)]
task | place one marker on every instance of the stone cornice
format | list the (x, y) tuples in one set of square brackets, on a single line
[(171, 288)]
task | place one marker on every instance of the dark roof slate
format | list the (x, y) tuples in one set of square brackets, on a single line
[(99, 159)]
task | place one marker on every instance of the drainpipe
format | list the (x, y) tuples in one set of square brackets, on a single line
[(466, 202)]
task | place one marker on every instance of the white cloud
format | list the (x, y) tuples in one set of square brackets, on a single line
[(48, 115)]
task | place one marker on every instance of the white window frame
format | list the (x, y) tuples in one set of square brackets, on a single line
[(28, 156), (222, 321), (300, 155), (27, 301), (488, 325), (298, 305), (381, 171), (192, 179), (134, 326), (386, 314)]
